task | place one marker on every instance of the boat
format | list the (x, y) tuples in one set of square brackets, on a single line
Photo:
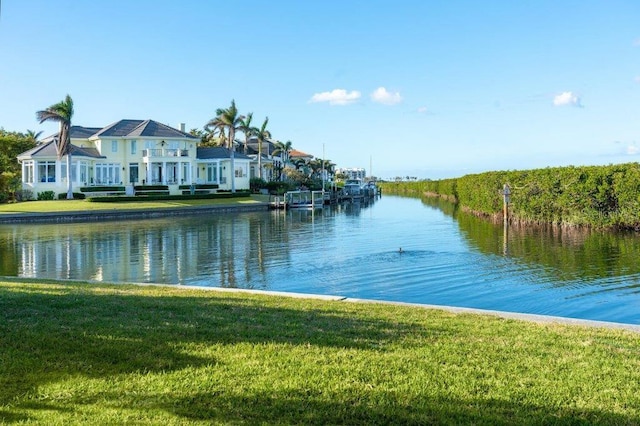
[(352, 189)]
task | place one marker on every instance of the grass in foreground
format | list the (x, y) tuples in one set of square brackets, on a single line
[(95, 354), (84, 205)]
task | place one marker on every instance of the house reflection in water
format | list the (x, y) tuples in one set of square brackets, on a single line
[(218, 250)]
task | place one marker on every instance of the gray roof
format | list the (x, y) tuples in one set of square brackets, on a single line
[(217, 152), (49, 149), (77, 132), (140, 128)]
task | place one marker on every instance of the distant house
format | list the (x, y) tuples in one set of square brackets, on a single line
[(129, 153), (294, 154)]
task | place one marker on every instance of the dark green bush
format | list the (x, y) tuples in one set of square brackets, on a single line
[(102, 189), (46, 195), (76, 196), (160, 197), (597, 196)]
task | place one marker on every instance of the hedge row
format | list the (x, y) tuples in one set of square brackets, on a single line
[(596, 196), (161, 197)]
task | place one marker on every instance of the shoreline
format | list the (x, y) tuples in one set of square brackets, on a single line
[(532, 318), (126, 214)]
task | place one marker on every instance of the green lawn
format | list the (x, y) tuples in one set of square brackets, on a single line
[(84, 205), (100, 354)]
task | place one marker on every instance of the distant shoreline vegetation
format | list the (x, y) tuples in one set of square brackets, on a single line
[(600, 197)]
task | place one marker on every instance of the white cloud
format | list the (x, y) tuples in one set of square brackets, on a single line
[(381, 95), (567, 98), (636, 42), (422, 110), (637, 79), (633, 149), (336, 97)]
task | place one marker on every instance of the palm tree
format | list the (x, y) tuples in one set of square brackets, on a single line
[(33, 136), (283, 148), (247, 129), (62, 112), (228, 120), (263, 134)]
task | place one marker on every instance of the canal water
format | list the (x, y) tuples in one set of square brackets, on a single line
[(396, 249)]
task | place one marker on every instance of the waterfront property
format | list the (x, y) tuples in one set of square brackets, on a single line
[(351, 250), (132, 153)]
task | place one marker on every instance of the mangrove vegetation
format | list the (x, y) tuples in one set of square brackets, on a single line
[(601, 197)]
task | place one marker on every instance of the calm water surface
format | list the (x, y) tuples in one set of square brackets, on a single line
[(447, 258)]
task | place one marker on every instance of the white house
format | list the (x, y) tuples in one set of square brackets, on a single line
[(132, 153)]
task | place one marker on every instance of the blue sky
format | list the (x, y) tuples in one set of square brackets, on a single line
[(429, 89)]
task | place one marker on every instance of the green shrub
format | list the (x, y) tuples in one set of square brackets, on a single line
[(76, 196), (102, 189), (161, 197), (46, 195), (596, 196), (257, 184)]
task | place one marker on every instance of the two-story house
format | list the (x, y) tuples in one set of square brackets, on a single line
[(132, 153)]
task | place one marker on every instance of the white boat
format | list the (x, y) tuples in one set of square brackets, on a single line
[(352, 188)]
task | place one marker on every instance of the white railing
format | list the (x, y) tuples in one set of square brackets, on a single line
[(162, 152)]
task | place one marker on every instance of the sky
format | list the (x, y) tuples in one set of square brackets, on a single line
[(428, 89)]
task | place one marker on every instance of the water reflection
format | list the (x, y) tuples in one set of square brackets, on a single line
[(448, 257), (233, 250), (567, 253)]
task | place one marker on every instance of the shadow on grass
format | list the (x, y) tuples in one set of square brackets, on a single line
[(50, 334), (380, 409)]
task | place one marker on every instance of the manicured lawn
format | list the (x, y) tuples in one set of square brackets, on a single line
[(84, 205), (100, 354)]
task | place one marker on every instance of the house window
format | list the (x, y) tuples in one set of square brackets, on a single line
[(107, 173), (114, 146), (134, 147), (84, 172), (63, 172), (241, 171), (185, 173), (172, 173), (133, 172), (47, 171), (27, 174), (212, 172)]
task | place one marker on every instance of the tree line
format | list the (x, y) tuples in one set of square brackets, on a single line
[(11, 145), (603, 197)]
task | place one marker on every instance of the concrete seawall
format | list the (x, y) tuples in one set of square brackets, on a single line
[(128, 214)]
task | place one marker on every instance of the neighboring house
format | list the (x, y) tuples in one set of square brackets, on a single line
[(269, 161), (214, 166), (294, 154), (130, 153)]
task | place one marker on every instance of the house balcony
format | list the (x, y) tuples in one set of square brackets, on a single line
[(164, 153)]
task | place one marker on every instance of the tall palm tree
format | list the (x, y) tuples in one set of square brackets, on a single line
[(283, 149), (227, 119), (62, 113), (263, 134), (247, 129)]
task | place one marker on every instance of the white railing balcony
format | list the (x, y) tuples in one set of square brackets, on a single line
[(164, 152)]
